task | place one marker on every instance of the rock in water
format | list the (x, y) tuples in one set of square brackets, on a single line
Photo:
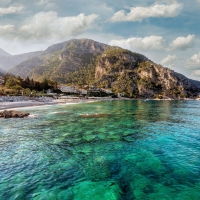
[(6, 114), (13, 114), (97, 115)]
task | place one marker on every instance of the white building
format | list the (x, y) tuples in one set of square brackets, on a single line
[(68, 89), (1, 81), (84, 92), (108, 91)]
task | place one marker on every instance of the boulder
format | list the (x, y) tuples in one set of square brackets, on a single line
[(97, 115), (6, 114), (13, 114)]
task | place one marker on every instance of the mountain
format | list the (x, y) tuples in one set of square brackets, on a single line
[(3, 53), (195, 82), (134, 75), (8, 61), (86, 62), (1, 73), (56, 61)]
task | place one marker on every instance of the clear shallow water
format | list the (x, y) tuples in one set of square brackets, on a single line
[(131, 150)]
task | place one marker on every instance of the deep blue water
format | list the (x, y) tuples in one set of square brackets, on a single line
[(110, 150)]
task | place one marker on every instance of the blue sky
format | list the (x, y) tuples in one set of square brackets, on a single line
[(166, 31)]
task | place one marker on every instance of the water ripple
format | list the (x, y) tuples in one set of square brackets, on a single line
[(123, 150)]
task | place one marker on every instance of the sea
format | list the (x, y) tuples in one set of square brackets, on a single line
[(106, 150)]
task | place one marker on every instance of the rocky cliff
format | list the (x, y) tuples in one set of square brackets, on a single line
[(133, 75)]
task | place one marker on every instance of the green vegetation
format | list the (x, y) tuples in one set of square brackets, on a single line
[(144, 66), (123, 85), (47, 67), (59, 60), (14, 85), (84, 76), (106, 80), (148, 83), (116, 51)]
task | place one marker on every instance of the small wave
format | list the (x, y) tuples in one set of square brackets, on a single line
[(33, 116), (54, 113), (72, 103)]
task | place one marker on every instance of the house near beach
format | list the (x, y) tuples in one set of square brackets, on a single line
[(1, 81), (68, 89)]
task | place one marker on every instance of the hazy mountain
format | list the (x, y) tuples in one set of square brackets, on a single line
[(9, 61), (1, 72), (3, 53)]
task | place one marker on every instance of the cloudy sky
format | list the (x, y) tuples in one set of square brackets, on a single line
[(166, 31)]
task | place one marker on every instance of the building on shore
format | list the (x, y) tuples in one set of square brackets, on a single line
[(68, 89), (1, 81)]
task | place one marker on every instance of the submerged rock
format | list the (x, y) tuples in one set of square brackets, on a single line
[(13, 114), (97, 115)]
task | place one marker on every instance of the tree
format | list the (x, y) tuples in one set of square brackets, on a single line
[(12, 81), (27, 91), (123, 85), (45, 84), (32, 84), (27, 82)]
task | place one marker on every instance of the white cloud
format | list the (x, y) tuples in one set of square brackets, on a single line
[(155, 43), (140, 13), (11, 10), (7, 30), (46, 25), (138, 43), (182, 43), (193, 62), (169, 61), (50, 6), (46, 4), (5, 2), (41, 2), (196, 73)]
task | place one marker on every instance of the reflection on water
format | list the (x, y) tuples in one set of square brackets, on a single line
[(123, 150)]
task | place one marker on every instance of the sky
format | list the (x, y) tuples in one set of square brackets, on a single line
[(166, 31)]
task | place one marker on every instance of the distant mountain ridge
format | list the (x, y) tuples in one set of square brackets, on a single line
[(8, 61), (124, 72), (3, 53)]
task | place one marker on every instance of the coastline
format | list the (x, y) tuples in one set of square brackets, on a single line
[(30, 103), (23, 104)]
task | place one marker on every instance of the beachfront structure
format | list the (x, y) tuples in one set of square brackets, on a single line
[(83, 92), (108, 91), (68, 89), (1, 81)]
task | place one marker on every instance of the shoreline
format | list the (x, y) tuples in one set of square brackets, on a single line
[(30, 103), (25, 104), (14, 105)]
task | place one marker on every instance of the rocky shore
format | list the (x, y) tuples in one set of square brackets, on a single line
[(25, 98), (13, 102), (13, 114)]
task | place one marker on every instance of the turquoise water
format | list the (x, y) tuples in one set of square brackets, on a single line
[(109, 150)]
